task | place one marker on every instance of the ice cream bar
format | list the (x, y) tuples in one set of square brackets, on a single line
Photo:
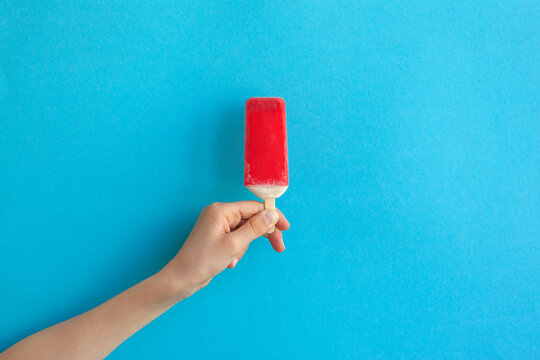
[(266, 171)]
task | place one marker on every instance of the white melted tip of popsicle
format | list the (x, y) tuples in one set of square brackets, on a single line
[(267, 191)]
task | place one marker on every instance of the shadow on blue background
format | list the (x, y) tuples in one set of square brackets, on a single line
[(414, 168)]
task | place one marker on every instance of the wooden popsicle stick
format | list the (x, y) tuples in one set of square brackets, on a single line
[(270, 204)]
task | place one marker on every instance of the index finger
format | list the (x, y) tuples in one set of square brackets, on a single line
[(236, 211), (245, 209)]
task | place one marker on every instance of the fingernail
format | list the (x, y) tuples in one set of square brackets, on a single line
[(271, 217), (234, 262)]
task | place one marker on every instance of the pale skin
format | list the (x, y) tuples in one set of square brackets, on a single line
[(218, 240)]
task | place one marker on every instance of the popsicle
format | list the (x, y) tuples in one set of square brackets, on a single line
[(266, 170)]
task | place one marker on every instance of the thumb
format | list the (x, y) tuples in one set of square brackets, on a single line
[(256, 226)]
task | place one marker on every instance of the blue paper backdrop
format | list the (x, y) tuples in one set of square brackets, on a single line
[(414, 144)]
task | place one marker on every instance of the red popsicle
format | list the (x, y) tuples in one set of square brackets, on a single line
[(266, 171)]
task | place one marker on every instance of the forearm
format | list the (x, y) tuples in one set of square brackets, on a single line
[(96, 333)]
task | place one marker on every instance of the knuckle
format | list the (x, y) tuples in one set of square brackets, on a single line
[(213, 207), (213, 211)]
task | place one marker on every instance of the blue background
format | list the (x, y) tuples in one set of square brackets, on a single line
[(414, 144)]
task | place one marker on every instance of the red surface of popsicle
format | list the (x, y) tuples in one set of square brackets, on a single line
[(266, 167)]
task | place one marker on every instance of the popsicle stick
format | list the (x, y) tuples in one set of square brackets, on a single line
[(270, 204)]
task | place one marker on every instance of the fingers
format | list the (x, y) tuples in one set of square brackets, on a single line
[(233, 263), (276, 240), (255, 227), (248, 220), (283, 223), (236, 211)]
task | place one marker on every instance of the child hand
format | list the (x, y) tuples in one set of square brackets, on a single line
[(219, 239)]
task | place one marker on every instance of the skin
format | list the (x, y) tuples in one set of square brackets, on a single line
[(218, 240)]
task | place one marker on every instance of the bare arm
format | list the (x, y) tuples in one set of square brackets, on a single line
[(94, 334), (219, 239)]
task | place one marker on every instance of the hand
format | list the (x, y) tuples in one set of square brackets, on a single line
[(219, 239)]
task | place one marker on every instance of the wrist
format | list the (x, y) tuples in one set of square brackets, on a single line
[(175, 285)]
